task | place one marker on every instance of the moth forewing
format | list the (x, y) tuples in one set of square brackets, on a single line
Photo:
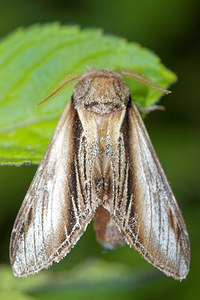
[(100, 160), (152, 221), (54, 213)]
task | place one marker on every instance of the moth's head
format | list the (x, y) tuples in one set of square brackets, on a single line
[(102, 86), (98, 89)]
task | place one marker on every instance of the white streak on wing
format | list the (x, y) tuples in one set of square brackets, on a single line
[(127, 217)]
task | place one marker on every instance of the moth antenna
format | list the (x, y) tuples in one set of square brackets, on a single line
[(142, 79), (145, 110), (59, 88)]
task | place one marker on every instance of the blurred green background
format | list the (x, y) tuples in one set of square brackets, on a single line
[(171, 29)]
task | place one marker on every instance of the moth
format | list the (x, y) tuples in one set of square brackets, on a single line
[(101, 165)]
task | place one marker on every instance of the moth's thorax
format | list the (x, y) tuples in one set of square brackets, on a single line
[(101, 91)]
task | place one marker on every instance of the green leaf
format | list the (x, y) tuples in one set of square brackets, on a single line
[(34, 60)]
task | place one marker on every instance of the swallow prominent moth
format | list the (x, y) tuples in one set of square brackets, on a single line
[(101, 165)]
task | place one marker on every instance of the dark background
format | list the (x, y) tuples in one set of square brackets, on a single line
[(171, 29)]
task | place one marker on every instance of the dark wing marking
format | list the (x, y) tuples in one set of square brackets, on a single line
[(58, 206), (143, 205)]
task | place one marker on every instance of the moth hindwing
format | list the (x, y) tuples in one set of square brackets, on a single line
[(100, 163)]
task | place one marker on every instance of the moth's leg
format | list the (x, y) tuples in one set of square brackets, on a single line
[(145, 110)]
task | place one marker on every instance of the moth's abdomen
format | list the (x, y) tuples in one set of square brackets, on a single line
[(107, 233)]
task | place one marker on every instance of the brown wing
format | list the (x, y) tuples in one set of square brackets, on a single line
[(58, 205), (143, 205)]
